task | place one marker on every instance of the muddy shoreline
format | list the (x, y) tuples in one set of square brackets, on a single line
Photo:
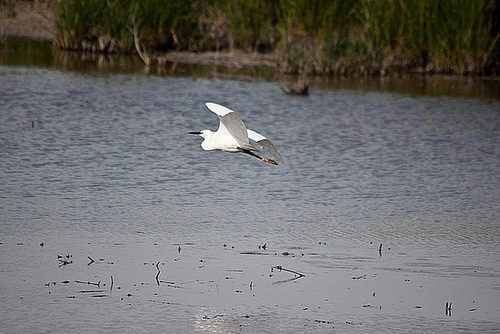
[(31, 20)]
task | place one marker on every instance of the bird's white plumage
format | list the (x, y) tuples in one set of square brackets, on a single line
[(255, 136), (230, 126), (218, 109), (234, 126), (264, 143), (233, 136)]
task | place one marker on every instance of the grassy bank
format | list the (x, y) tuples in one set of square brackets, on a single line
[(309, 36)]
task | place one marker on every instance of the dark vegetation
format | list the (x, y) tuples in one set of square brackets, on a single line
[(341, 37)]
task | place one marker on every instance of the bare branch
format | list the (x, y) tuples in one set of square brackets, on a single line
[(98, 284), (280, 268), (158, 273), (140, 50)]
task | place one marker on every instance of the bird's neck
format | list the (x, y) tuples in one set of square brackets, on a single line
[(207, 142)]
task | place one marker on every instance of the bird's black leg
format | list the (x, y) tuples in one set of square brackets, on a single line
[(271, 161)]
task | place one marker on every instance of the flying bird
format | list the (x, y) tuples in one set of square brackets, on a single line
[(233, 136)]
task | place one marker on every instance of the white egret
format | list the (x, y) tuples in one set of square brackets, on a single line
[(233, 136)]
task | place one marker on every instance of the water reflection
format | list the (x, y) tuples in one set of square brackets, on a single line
[(212, 320), (96, 62), (21, 51), (101, 166), (420, 84)]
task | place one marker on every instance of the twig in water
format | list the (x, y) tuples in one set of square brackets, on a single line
[(447, 309), (360, 277), (64, 259), (217, 285), (98, 284), (171, 284), (302, 254), (158, 273), (280, 268), (159, 281)]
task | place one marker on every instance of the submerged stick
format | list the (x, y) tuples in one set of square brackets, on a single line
[(302, 254), (280, 268), (158, 273), (64, 260), (98, 284), (447, 309)]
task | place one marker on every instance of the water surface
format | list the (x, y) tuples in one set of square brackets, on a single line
[(171, 238)]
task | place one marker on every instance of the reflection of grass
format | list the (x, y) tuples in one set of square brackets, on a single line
[(311, 36)]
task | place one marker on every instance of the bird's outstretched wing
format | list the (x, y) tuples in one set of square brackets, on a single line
[(265, 143), (229, 122)]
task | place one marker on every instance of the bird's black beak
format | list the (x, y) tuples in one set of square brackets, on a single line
[(195, 133)]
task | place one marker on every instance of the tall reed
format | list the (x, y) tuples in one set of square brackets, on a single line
[(106, 25), (441, 36), (310, 36), (315, 33)]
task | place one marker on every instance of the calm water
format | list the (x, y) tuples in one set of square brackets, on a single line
[(107, 172)]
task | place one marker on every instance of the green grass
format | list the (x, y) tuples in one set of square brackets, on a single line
[(106, 25), (361, 37), (450, 36)]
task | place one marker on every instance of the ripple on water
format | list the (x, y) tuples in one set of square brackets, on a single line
[(109, 156)]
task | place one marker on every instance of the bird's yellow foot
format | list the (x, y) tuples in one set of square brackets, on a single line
[(271, 161)]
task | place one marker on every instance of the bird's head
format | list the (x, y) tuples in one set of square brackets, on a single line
[(203, 133)]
